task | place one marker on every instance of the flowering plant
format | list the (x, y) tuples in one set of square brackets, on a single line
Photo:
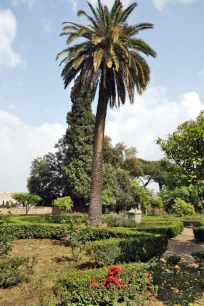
[(77, 246)]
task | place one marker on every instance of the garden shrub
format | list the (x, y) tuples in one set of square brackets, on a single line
[(64, 204), (76, 289), (10, 273), (181, 208), (5, 244), (35, 230), (171, 229), (75, 218), (199, 233), (115, 250)]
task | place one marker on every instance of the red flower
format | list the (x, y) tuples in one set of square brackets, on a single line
[(93, 283), (134, 272), (149, 275), (114, 270)]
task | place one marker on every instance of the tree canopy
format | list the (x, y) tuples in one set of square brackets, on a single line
[(185, 149)]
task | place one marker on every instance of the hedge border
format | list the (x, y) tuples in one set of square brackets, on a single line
[(199, 233), (115, 250)]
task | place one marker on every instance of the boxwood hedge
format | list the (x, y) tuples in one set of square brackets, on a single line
[(199, 233), (115, 250)]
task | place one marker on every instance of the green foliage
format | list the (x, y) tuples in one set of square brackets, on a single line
[(199, 233), (181, 208), (27, 200), (155, 202), (10, 273), (171, 229), (141, 248), (5, 244), (187, 193), (153, 171), (173, 259), (79, 140), (46, 177), (185, 149), (120, 192), (25, 230), (64, 204), (120, 156), (75, 218), (118, 53), (73, 288)]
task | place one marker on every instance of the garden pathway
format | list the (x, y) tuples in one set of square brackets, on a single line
[(183, 245)]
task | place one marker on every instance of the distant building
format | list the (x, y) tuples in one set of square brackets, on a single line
[(5, 196)]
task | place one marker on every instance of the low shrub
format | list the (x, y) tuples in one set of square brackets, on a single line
[(75, 218), (116, 250), (199, 233), (195, 221), (10, 273), (171, 229), (181, 208), (5, 244), (86, 288), (35, 230)]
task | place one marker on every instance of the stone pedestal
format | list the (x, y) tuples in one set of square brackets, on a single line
[(135, 215)]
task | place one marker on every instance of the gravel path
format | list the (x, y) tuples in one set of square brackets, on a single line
[(183, 245)]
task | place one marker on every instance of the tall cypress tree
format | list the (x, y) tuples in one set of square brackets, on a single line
[(79, 141)]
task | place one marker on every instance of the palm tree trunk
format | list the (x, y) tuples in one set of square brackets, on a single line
[(95, 208)]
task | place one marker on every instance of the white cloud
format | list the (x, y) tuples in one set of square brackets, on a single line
[(19, 145), (160, 4), (30, 3), (7, 35), (152, 115), (47, 25), (201, 73), (74, 5)]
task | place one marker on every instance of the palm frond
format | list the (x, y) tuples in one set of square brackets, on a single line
[(125, 14), (142, 46)]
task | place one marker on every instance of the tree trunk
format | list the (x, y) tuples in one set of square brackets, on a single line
[(95, 208)]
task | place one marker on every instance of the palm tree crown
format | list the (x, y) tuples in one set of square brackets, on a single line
[(110, 55)]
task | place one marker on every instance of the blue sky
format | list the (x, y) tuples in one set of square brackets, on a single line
[(33, 103)]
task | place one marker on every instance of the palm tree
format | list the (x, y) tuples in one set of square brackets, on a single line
[(108, 58)]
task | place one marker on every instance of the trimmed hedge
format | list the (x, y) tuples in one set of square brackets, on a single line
[(115, 250), (57, 231), (171, 229), (73, 288), (195, 220), (10, 272), (199, 233), (56, 219), (23, 231)]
